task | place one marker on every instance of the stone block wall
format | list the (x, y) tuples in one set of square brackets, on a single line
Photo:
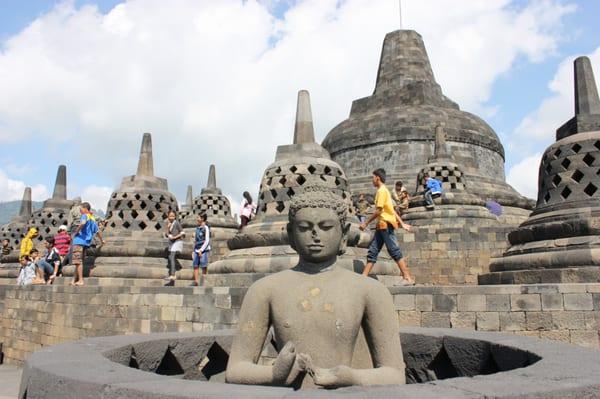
[(36, 316), (452, 254), (563, 312)]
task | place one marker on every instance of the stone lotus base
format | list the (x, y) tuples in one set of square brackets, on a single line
[(441, 363)]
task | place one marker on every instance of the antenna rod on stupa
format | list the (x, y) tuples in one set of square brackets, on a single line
[(400, 12), (303, 129), (189, 198), (26, 209), (212, 177), (146, 162), (60, 186), (586, 92)]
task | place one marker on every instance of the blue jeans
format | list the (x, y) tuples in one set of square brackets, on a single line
[(46, 267), (387, 237), (429, 197), (200, 260)]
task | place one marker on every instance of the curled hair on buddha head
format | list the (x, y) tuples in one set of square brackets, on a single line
[(318, 197)]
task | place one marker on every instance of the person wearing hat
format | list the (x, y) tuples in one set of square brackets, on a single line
[(62, 242)]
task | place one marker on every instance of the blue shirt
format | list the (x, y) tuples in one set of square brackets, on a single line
[(434, 185), (86, 234), (202, 241)]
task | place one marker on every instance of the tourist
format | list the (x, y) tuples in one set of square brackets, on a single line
[(62, 241), (27, 242), (74, 215), (362, 207), (34, 257), (201, 248), (400, 197), (86, 229), (6, 248), (26, 272), (247, 210), (494, 207), (433, 188), (387, 221), (48, 266), (174, 233)]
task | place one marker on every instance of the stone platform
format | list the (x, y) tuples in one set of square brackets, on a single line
[(192, 365), (33, 317)]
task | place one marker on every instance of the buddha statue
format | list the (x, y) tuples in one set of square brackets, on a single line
[(317, 310)]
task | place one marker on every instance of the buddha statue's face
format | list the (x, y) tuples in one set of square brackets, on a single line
[(316, 234)]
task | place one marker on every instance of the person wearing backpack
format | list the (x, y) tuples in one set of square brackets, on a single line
[(82, 239)]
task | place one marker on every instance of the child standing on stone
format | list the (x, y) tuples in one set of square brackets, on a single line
[(247, 210), (174, 233), (201, 248)]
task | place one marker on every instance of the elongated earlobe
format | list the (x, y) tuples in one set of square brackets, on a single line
[(344, 242), (291, 236)]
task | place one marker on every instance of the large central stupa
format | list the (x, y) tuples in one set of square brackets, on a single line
[(394, 128)]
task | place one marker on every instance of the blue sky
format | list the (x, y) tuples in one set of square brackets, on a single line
[(215, 82)]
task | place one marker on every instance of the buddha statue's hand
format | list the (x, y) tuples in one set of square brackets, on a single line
[(287, 366), (340, 376)]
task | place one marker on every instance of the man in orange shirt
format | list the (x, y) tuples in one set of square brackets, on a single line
[(388, 220)]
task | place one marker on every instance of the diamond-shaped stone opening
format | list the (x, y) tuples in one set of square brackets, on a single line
[(311, 169), (293, 168), (150, 197), (557, 153), (576, 148), (143, 205), (124, 195), (577, 176), (126, 224), (590, 189), (134, 214), (215, 362), (157, 226), (278, 170), (597, 144), (142, 225), (565, 192), (290, 192), (121, 214), (565, 163), (129, 204), (556, 180), (327, 170), (588, 159), (301, 180), (282, 180), (114, 195), (157, 206), (137, 196), (169, 365), (150, 215), (280, 206), (273, 193)]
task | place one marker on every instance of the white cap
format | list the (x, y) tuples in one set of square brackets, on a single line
[(63, 227)]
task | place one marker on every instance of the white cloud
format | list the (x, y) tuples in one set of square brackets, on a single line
[(216, 82), (97, 196), (523, 176), (559, 107), (12, 190)]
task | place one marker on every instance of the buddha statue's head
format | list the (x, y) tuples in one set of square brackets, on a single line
[(317, 227)]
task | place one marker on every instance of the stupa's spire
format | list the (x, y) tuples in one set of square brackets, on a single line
[(586, 92), (303, 129), (60, 186), (26, 209), (189, 198), (212, 177), (146, 162)]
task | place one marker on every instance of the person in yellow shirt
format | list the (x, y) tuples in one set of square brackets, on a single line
[(388, 220), (27, 242)]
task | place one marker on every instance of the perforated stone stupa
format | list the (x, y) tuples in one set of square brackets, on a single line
[(560, 242), (262, 247), (217, 208), (394, 129), (136, 215), (55, 210)]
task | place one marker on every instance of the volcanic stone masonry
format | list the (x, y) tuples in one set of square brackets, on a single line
[(394, 129), (262, 247), (136, 215), (560, 242)]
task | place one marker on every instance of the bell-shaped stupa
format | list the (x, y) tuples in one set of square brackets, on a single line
[(262, 246), (560, 242), (136, 216), (394, 129)]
